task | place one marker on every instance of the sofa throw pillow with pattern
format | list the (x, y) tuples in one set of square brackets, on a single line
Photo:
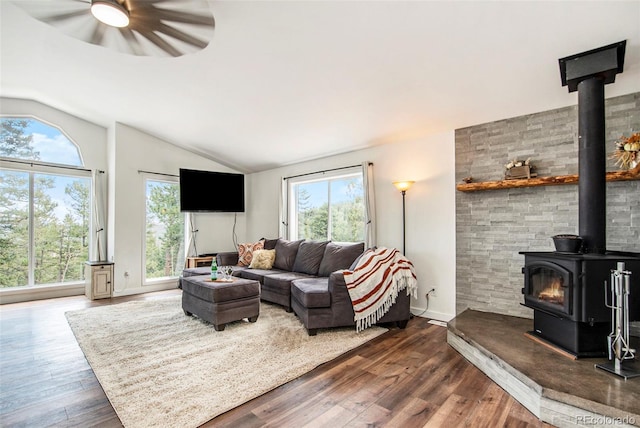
[(263, 259), (245, 252)]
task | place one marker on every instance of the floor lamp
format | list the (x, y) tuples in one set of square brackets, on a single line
[(403, 186)]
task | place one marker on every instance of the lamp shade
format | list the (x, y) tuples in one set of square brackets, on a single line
[(110, 12), (403, 186)]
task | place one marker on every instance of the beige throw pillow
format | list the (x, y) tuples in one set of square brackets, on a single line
[(263, 259)]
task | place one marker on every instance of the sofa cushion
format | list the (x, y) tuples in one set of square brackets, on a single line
[(245, 252), (286, 252), (312, 292), (263, 259), (282, 281), (227, 258), (258, 274), (339, 256), (269, 244), (309, 256)]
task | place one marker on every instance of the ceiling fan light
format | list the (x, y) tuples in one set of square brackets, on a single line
[(110, 12)]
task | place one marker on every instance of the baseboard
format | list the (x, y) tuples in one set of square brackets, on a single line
[(440, 316), (162, 286)]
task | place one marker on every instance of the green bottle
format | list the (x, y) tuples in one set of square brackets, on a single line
[(214, 269)]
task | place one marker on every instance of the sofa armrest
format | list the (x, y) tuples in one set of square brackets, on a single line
[(341, 306), (338, 286), (229, 258), (400, 311)]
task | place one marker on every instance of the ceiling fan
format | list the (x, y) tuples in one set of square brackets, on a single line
[(137, 27)]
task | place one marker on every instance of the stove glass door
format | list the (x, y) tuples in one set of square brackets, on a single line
[(547, 286)]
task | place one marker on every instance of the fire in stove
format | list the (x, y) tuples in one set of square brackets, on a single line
[(554, 292)]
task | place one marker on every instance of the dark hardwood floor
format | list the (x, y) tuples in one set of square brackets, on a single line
[(405, 378)]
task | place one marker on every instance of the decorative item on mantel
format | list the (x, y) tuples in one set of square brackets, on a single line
[(627, 153), (517, 169)]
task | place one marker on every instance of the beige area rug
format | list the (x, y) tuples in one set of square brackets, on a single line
[(160, 368)]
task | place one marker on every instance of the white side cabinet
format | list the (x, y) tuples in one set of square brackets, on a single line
[(99, 280)]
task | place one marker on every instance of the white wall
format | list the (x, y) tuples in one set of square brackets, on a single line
[(137, 151), (430, 209)]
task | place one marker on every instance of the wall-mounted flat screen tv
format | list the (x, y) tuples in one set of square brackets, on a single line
[(209, 191)]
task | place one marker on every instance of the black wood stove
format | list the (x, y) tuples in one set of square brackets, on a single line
[(568, 294), (568, 291)]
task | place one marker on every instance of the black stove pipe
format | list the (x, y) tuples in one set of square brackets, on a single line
[(592, 201), (587, 73)]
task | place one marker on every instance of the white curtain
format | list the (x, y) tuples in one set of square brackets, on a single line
[(98, 250), (190, 248), (283, 217), (370, 239)]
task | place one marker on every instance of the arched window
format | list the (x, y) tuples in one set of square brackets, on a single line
[(45, 206), (31, 139)]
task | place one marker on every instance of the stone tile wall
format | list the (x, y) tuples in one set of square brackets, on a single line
[(493, 226)]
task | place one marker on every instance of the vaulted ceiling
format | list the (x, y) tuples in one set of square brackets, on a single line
[(286, 81)]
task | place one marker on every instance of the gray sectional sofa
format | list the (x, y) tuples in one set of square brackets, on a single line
[(306, 277)]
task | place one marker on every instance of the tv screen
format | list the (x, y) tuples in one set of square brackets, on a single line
[(208, 191)]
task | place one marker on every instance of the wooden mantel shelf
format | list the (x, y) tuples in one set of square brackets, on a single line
[(632, 174)]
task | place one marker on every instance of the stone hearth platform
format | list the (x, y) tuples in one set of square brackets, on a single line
[(558, 390)]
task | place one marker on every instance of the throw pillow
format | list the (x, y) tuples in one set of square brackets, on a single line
[(245, 252), (309, 257), (339, 256), (286, 254), (269, 244), (263, 259)]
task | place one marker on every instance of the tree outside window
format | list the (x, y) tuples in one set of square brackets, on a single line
[(164, 244), (328, 209)]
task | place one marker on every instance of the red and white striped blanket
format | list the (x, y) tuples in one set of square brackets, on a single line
[(374, 284)]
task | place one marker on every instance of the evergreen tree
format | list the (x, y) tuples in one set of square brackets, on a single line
[(163, 205), (15, 142), (14, 228), (14, 204)]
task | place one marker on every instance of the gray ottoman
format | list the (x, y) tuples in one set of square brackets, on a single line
[(220, 303)]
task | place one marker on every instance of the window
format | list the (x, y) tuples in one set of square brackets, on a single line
[(44, 209), (164, 229), (31, 139), (327, 207)]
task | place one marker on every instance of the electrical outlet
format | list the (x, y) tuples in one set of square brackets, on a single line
[(431, 293)]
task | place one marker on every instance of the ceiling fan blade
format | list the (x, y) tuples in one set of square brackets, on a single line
[(52, 19), (97, 36), (132, 41), (182, 36), (175, 16), (161, 43)]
